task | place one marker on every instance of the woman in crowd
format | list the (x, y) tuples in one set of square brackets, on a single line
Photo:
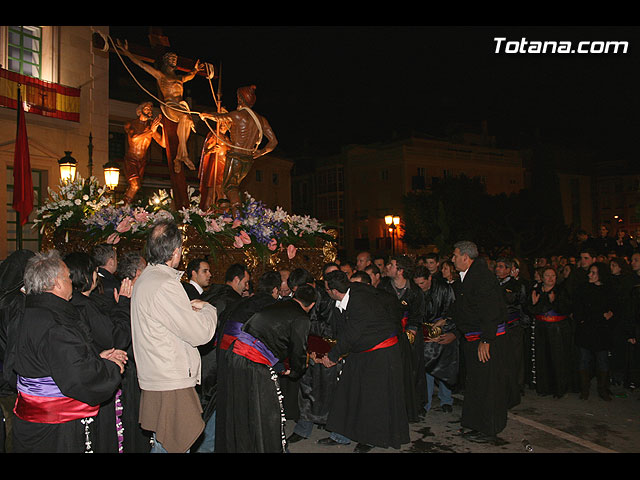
[(108, 330), (594, 327), (550, 306), (449, 272)]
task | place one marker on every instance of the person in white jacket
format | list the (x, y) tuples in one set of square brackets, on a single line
[(167, 329)]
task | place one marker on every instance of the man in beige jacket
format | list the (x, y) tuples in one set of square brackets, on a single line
[(167, 329)]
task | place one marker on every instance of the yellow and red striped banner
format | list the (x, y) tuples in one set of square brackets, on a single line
[(42, 98)]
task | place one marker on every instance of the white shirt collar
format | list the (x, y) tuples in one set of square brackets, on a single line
[(462, 274), (342, 304), (198, 287)]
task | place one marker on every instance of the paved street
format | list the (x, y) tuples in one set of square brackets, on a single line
[(548, 425)]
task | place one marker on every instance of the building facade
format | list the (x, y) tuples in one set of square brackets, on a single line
[(359, 187), (64, 86)]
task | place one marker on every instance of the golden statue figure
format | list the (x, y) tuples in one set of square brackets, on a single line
[(246, 132), (174, 108), (141, 131), (212, 163)]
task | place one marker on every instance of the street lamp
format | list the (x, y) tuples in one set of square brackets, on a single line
[(67, 165), (111, 174), (392, 222)]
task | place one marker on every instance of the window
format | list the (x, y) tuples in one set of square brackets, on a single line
[(117, 142), (30, 236), (258, 175), (25, 50), (275, 179)]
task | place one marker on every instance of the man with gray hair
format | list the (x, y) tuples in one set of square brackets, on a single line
[(480, 314), (167, 329), (60, 376)]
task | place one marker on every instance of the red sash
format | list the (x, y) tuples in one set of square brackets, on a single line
[(36, 409), (384, 344)]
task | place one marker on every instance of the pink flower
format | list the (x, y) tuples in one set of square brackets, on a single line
[(291, 251), (113, 239), (213, 225), (273, 244), (241, 239), (140, 215), (246, 239), (236, 223), (124, 225)]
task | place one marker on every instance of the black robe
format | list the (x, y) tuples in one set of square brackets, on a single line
[(318, 383), (554, 343), (515, 297), (250, 409), (229, 322), (136, 440), (412, 353), (106, 334), (222, 297), (53, 342), (480, 308), (12, 304), (368, 403)]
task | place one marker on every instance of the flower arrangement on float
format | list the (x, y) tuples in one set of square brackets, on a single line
[(86, 205), (74, 201)]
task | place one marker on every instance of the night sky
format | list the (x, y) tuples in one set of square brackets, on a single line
[(324, 87)]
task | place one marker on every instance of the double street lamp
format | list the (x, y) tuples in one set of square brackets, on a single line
[(392, 222)]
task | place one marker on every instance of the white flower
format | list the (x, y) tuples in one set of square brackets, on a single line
[(77, 201)]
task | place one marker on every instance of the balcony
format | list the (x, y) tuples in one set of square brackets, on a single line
[(41, 98)]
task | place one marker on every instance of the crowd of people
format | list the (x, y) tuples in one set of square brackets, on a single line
[(106, 352)]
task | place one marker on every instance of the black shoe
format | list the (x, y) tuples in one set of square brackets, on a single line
[(479, 437), (328, 441), (294, 437), (447, 408), (362, 448)]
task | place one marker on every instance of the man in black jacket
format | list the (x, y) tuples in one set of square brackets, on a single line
[(480, 314), (107, 258), (441, 346), (198, 275)]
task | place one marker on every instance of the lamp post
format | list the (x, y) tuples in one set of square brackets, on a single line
[(392, 222), (67, 165)]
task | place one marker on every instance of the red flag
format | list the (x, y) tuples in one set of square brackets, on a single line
[(22, 181)]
